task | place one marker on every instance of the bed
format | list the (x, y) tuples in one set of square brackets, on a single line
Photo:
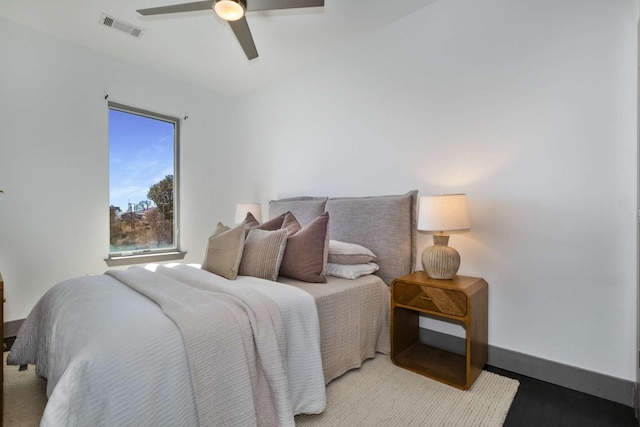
[(178, 345)]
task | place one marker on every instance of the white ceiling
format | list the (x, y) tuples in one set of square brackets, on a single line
[(201, 48)]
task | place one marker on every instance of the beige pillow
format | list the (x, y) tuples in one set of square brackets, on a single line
[(349, 253), (263, 252), (224, 251), (305, 257)]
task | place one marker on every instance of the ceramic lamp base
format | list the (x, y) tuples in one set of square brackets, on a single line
[(440, 261)]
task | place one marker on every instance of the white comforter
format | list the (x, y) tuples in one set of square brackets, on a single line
[(112, 357)]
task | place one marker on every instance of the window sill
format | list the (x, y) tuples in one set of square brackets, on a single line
[(144, 258)]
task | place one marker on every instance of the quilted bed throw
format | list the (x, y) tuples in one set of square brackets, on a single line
[(235, 344)]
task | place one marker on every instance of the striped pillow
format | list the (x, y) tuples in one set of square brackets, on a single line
[(262, 255)]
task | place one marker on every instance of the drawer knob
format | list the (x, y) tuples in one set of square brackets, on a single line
[(426, 297)]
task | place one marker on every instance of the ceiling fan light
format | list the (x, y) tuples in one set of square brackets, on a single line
[(229, 10)]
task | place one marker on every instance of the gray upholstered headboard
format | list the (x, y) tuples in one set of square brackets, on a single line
[(384, 224)]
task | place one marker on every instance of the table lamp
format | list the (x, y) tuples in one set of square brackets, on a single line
[(437, 215), (242, 209)]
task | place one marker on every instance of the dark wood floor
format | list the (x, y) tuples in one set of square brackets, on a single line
[(538, 403)]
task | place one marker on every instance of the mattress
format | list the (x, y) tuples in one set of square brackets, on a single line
[(354, 320)]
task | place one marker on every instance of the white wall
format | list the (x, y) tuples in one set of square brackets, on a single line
[(530, 108), (54, 159)]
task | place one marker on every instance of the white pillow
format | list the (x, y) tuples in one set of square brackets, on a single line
[(351, 271), (349, 253)]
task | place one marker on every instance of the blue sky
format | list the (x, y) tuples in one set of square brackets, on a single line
[(140, 154)]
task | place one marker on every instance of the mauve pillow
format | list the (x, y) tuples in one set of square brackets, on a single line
[(224, 251), (305, 257), (291, 224), (250, 221), (273, 224)]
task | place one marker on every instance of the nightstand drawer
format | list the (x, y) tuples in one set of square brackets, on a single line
[(430, 298)]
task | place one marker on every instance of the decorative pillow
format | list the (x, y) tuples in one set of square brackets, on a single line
[(291, 224), (351, 271), (263, 253), (250, 221), (349, 253), (305, 257), (272, 224), (224, 251)]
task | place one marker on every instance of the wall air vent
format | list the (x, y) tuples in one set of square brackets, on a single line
[(120, 25)]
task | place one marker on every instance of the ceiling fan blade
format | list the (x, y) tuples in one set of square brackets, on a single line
[(176, 8), (282, 4), (243, 34)]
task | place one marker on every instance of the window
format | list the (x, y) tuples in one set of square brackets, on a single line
[(143, 208)]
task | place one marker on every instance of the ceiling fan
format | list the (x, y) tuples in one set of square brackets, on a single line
[(233, 12)]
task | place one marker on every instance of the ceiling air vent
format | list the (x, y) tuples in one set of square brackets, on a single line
[(120, 25)]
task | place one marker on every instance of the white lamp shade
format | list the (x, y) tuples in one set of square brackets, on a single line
[(242, 209), (448, 212)]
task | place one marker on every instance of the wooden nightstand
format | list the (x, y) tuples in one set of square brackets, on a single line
[(462, 300)]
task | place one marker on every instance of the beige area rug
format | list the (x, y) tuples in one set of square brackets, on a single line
[(24, 396), (378, 394), (382, 394)]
